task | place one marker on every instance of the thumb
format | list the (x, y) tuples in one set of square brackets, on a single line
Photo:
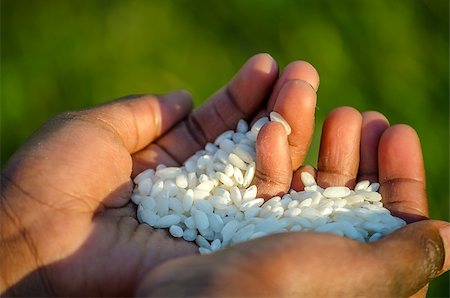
[(76, 150), (138, 120)]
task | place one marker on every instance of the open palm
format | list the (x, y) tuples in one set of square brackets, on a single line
[(67, 190)]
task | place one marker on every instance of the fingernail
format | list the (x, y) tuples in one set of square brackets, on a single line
[(178, 98), (444, 231), (265, 64), (180, 95)]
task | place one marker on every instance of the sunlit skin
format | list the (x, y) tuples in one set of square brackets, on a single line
[(67, 227)]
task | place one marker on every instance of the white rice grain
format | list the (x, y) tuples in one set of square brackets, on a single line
[(168, 220), (226, 135), (249, 174), (144, 175), (176, 231), (307, 179), (237, 162), (145, 187), (210, 199), (259, 124), (362, 185), (274, 116), (201, 220), (242, 126), (228, 230), (336, 192), (189, 234)]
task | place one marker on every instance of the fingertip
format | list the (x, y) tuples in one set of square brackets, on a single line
[(251, 85), (263, 62), (400, 154), (185, 94), (400, 132), (304, 70), (297, 70), (369, 116), (373, 126), (173, 107), (139, 119), (345, 112), (241, 98), (179, 99), (301, 89)]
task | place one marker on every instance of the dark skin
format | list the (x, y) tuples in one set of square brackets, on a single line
[(67, 227)]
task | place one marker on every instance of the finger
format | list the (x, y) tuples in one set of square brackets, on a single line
[(296, 102), (297, 183), (97, 139), (339, 148), (137, 121), (402, 173), (297, 70), (373, 126), (273, 164), (240, 99), (417, 253), (421, 293)]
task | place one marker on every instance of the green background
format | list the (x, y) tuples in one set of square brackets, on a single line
[(390, 56)]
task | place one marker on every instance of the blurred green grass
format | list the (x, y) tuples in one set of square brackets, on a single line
[(390, 56)]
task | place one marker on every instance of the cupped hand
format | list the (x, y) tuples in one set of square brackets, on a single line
[(67, 227), (354, 147)]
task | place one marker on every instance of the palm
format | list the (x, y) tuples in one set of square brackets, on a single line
[(114, 233), (116, 254), (90, 241)]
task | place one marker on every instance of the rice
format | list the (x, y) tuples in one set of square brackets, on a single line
[(274, 116), (209, 199), (176, 231)]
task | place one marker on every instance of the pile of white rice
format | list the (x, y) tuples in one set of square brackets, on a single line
[(209, 199)]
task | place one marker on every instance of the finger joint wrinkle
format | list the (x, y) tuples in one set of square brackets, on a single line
[(195, 130), (269, 179), (219, 114), (232, 99), (402, 180)]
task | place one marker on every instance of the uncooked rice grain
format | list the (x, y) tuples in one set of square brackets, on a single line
[(210, 199)]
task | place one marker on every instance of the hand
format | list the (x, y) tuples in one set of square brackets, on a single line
[(67, 227), (354, 147)]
